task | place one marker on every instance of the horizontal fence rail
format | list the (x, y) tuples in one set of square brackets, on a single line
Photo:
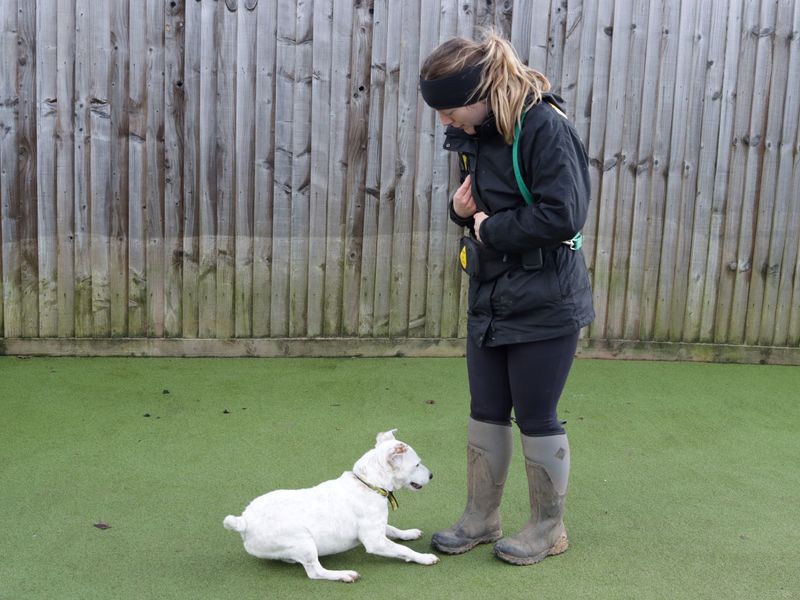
[(265, 169)]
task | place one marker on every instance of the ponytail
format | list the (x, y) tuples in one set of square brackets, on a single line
[(510, 86), (507, 83)]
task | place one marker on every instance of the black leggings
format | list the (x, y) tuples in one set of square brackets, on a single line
[(527, 377)]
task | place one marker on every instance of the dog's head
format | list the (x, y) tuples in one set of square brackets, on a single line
[(392, 464)]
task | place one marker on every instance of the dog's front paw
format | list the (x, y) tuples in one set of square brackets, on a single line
[(412, 534), (428, 559), (348, 576)]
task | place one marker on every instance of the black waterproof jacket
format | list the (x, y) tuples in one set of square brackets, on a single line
[(528, 305)]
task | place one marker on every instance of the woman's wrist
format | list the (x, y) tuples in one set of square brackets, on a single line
[(458, 219)]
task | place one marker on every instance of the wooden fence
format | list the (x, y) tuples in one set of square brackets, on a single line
[(262, 169)]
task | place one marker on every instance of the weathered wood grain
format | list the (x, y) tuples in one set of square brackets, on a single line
[(229, 170), (47, 131), (174, 127)]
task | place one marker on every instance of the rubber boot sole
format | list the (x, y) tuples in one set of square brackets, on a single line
[(559, 547), (469, 545)]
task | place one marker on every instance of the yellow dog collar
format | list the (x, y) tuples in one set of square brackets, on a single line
[(385, 493)]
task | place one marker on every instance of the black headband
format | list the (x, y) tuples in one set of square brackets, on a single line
[(460, 89)]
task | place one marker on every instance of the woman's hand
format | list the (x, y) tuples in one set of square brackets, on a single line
[(480, 217), (463, 203)]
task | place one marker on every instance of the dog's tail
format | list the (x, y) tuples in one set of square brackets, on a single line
[(235, 523)]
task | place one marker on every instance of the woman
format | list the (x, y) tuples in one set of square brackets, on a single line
[(529, 291)]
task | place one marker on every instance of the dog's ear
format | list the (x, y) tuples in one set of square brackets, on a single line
[(385, 436), (396, 453)]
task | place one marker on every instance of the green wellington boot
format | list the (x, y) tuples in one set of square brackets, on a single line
[(547, 464), (488, 456)]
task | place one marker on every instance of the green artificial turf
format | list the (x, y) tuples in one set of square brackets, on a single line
[(685, 480)]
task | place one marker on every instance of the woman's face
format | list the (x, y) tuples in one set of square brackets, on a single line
[(465, 117)]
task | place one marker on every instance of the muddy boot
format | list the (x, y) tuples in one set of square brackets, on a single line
[(488, 456), (547, 464)]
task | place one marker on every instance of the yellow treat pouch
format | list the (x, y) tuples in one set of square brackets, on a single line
[(480, 262)]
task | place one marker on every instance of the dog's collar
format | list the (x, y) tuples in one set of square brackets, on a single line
[(385, 493)]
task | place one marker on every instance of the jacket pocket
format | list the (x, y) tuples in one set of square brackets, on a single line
[(573, 276), (521, 291)]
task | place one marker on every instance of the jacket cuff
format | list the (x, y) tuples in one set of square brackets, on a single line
[(460, 221), (486, 234)]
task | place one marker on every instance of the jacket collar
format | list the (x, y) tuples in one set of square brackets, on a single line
[(458, 139), (485, 130)]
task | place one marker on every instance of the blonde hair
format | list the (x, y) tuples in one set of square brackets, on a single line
[(510, 86)]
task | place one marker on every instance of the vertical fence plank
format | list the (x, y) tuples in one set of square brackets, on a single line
[(539, 30), (100, 168), (670, 25), (357, 123), (643, 173), (750, 136), (628, 296), (281, 209), (225, 170), (484, 16), (137, 173), (444, 275), (301, 172), (442, 27), (190, 308), (174, 126), (422, 176), (225, 146), (579, 47), (207, 275), (615, 189), (245, 160), (596, 244), (700, 195), (154, 156), (65, 152), (793, 298), (571, 50), (677, 144), (520, 34), (688, 200), (46, 130), (747, 294), (10, 210), (388, 171), (27, 173), (736, 267), (770, 211), (503, 15), (780, 295), (679, 93), (82, 173), (715, 266), (266, 47), (119, 201), (584, 92), (556, 34), (402, 238), (372, 195), (320, 136), (337, 166)]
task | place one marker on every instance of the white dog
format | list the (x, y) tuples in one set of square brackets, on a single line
[(299, 526)]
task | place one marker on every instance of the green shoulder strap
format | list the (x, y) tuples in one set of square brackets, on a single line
[(526, 193), (576, 242)]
